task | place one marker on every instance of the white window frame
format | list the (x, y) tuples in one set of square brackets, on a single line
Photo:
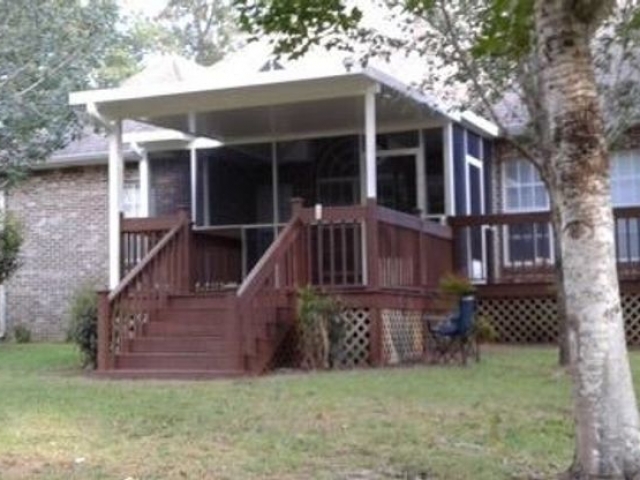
[(505, 230), (635, 175), (132, 209)]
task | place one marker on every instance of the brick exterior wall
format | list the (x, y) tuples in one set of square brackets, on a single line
[(63, 214)]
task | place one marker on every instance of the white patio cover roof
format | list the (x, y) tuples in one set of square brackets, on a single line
[(233, 104)]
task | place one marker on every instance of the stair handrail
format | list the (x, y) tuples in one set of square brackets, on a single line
[(117, 307), (257, 282), (142, 265)]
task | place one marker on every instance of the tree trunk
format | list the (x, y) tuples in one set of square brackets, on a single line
[(607, 423), (566, 352)]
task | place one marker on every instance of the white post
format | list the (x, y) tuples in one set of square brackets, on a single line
[(193, 156), (116, 168), (421, 174), (145, 184), (449, 185), (370, 142)]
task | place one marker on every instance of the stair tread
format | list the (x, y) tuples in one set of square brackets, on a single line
[(169, 374), (171, 354)]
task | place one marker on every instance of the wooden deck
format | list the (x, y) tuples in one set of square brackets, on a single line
[(517, 290), (181, 309)]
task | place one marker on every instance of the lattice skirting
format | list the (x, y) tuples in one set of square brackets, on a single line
[(535, 319), (402, 336), (354, 351)]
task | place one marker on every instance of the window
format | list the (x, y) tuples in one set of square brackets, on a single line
[(131, 205), (524, 191), (625, 192), (625, 178)]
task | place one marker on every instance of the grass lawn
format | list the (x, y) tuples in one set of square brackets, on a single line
[(508, 417)]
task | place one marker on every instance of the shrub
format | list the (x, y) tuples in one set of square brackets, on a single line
[(456, 285), (484, 331), (22, 334), (83, 326), (10, 243), (321, 329)]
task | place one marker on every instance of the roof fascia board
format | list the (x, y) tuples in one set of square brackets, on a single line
[(81, 160), (479, 125), (469, 119), (317, 87)]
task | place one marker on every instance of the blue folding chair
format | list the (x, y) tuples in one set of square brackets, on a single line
[(453, 338)]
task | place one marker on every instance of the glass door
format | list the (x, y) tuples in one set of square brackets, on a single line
[(397, 180), (476, 239)]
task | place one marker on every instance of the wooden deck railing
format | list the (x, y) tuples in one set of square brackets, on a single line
[(519, 248), (124, 311), (375, 247), (413, 253), (138, 236), (264, 298), (367, 248)]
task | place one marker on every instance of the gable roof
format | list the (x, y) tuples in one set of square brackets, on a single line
[(91, 148), (240, 83)]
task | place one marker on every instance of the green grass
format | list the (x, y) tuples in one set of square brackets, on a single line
[(508, 417)]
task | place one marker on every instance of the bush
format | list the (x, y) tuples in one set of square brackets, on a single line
[(22, 334), (321, 329), (83, 326), (456, 285), (483, 330), (10, 243)]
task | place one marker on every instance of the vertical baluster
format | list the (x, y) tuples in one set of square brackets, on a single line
[(343, 237), (627, 231), (332, 254), (320, 253), (310, 252), (358, 277)]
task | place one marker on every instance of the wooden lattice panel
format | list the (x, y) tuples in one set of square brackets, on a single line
[(631, 312), (355, 347), (521, 319), (535, 319), (402, 336)]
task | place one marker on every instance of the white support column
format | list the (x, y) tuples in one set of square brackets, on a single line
[(449, 185), (421, 174), (370, 143), (145, 183), (116, 185), (193, 157), (205, 193)]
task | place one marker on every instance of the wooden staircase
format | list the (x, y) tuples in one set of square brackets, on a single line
[(191, 337), (157, 324)]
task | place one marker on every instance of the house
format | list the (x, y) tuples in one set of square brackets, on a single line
[(62, 208), (317, 173)]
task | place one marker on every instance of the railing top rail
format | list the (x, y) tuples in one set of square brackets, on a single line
[(499, 219), (389, 216), (155, 224), (528, 217), (333, 214), (412, 222), (261, 269), (138, 269), (626, 212)]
